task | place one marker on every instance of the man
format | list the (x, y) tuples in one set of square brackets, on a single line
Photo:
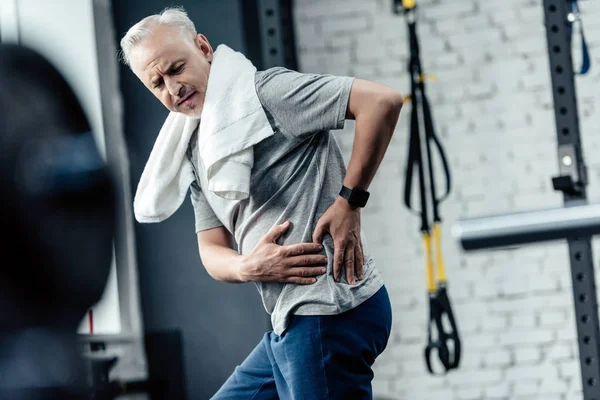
[(296, 225)]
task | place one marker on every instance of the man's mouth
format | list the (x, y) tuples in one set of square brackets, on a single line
[(186, 98)]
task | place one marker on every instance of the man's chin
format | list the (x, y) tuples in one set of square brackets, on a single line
[(191, 112)]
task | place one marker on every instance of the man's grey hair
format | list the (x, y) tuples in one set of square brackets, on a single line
[(175, 17)]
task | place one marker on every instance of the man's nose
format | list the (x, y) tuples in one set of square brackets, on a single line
[(173, 87)]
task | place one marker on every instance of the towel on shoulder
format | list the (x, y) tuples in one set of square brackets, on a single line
[(231, 123)]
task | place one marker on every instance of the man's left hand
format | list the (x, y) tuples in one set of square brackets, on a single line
[(342, 221)]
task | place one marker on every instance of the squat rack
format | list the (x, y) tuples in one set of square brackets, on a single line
[(577, 221)]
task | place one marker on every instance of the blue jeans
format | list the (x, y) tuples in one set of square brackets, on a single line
[(317, 357)]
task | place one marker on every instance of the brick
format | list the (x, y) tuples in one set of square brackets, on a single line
[(567, 332), (428, 394), (327, 9), (517, 32), (502, 16), (575, 384), (481, 90), (494, 323), (509, 73), (576, 395), (311, 38), (541, 283), (535, 82), (338, 63), (527, 355), (472, 393), (475, 378), (525, 336), (494, 7), (498, 358), (341, 42), (470, 360), (527, 388), (368, 50), (546, 396), (413, 367), (523, 321), (570, 369), (394, 75), (447, 61), (497, 392), (531, 46), (553, 386), (313, 63), (537, 201), (515, 287), (559, 352), (461, 41), (552, 318), (350, 23), (532, 16), (389, 370), (526, 372), (368, 72), (382, 388), (448, 10), (407, 351)]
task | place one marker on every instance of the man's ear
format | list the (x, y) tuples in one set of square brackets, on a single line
[(204, 46)]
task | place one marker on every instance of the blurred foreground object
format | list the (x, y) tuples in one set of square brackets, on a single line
[(58, 215)]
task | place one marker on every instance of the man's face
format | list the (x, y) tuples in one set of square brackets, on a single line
[(175, 68)]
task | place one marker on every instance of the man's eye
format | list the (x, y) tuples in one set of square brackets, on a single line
[(157, 84), (178, 69)]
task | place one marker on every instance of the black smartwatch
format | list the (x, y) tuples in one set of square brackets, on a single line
[(356, 197)]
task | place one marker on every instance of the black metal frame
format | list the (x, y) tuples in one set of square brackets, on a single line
[(572, 182), (278, 47)]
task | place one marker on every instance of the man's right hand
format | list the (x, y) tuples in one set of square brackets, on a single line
[(270, 262)]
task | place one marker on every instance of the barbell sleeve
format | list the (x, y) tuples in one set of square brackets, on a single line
[(527, 227)]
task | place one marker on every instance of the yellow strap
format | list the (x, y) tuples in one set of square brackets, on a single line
[(428, 77), (429, 263), (441, 270), (408, 4)]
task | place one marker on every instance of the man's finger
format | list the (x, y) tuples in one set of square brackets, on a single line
[(359, 267), (308, 259), (319, 232), (306, 272), (339, 249), (276, 231), (301, 281), (349, 261), (304, 248)]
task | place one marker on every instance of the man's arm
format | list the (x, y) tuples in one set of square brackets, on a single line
[(268, 262), (376, 109), (219, 258)]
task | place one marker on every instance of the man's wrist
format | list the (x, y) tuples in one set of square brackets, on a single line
[(355, 196), (242, 267), (342, 202)]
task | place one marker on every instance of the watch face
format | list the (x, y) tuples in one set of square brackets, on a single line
[(359, 198)]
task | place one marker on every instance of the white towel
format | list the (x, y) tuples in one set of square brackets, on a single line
[(232, 122)]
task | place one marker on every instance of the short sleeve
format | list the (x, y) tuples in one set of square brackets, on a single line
[(204, 214), (303, 104)]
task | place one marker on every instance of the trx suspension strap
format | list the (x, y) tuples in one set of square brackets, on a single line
[(573, 17), (442, 338)]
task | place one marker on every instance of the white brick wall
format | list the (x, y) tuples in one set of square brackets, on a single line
[(493, 110)]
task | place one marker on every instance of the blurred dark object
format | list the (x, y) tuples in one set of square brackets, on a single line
[(165, 355), (58, 211)]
